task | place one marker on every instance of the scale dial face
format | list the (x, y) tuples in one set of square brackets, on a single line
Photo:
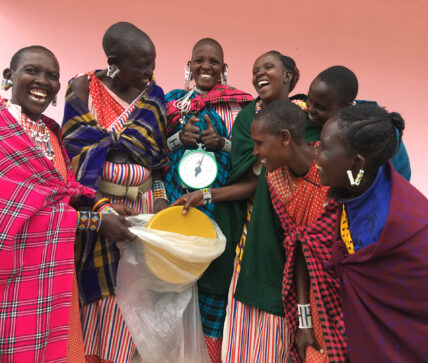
[(197, 169)]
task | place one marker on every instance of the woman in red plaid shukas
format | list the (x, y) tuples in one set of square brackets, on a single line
[(310, 294), (39, 314), (380, 249)]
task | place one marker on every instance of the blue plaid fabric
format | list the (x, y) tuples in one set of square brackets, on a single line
[(213, 313)]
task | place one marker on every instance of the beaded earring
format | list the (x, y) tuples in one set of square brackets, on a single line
[(112, 71), (54, 100), (224, 76), (6, 84), (187, 76), (357, 180)]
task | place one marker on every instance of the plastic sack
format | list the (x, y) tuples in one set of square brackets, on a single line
[(163, 316)]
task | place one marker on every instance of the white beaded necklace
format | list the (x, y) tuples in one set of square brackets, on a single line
[(184, 103), (37, 130)]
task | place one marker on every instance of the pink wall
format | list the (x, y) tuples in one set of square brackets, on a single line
[(382, 41)]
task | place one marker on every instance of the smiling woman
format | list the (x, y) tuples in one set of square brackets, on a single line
[(113, 131), (203, 116), (36, 80), (40, 318)]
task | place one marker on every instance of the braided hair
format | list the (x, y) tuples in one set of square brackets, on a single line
[(372, 132), (290, 65)]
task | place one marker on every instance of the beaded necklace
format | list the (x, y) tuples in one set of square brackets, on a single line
[(37, 130), (184, 103)]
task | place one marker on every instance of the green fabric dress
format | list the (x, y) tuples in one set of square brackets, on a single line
[(260, 278)]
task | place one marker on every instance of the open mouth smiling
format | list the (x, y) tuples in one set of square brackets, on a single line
[(263, 83), (38, 95)]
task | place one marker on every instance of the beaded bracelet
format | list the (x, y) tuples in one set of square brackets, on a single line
[(159, 191), (89, 221), (227, 145), (305, 316), (173, 142), (206, 194), (101, 204)]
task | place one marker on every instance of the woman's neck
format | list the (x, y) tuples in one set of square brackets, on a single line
[(283, 97), (202, 92), (30, 115), (303, 157), (122, 90), (350, 192)]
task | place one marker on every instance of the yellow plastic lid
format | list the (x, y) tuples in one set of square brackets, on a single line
[(194, 223)]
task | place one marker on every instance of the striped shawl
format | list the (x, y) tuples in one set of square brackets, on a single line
[(88, 144)]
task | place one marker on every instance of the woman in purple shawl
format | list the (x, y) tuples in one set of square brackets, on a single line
[(381, 248)]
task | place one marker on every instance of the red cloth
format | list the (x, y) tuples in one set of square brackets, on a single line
[(214, 348), (37, 234), (107, 108), (384, 286), (316, 240)]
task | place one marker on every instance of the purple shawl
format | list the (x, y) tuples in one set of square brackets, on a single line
[(384, 286)]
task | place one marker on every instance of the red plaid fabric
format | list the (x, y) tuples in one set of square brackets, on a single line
[(218, 94), (37, 234), (316, 240)]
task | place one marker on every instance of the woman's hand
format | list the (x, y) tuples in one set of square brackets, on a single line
[(194, 199), (210, 138), (115, 228), (159, 204), (124, 210), (304, 338), (189, 136)]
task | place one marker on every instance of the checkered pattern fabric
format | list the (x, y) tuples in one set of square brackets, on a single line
[(213, 312), (37, 234), (316, 240)]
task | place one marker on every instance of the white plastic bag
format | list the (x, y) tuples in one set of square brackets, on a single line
[(163, 316)]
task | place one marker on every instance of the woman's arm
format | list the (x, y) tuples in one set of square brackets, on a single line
[(304, 336), (80, 87), (243, 189), (160, 199)]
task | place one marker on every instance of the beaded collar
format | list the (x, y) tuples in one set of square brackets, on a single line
[(37, 130)]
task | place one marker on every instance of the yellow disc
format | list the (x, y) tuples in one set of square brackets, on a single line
[(194, 223)]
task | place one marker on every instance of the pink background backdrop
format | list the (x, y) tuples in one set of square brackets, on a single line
[(383, 41)]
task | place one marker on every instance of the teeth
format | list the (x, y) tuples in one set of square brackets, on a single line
[(39, 93), (206, 76), (38, 99), (262, 83)]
